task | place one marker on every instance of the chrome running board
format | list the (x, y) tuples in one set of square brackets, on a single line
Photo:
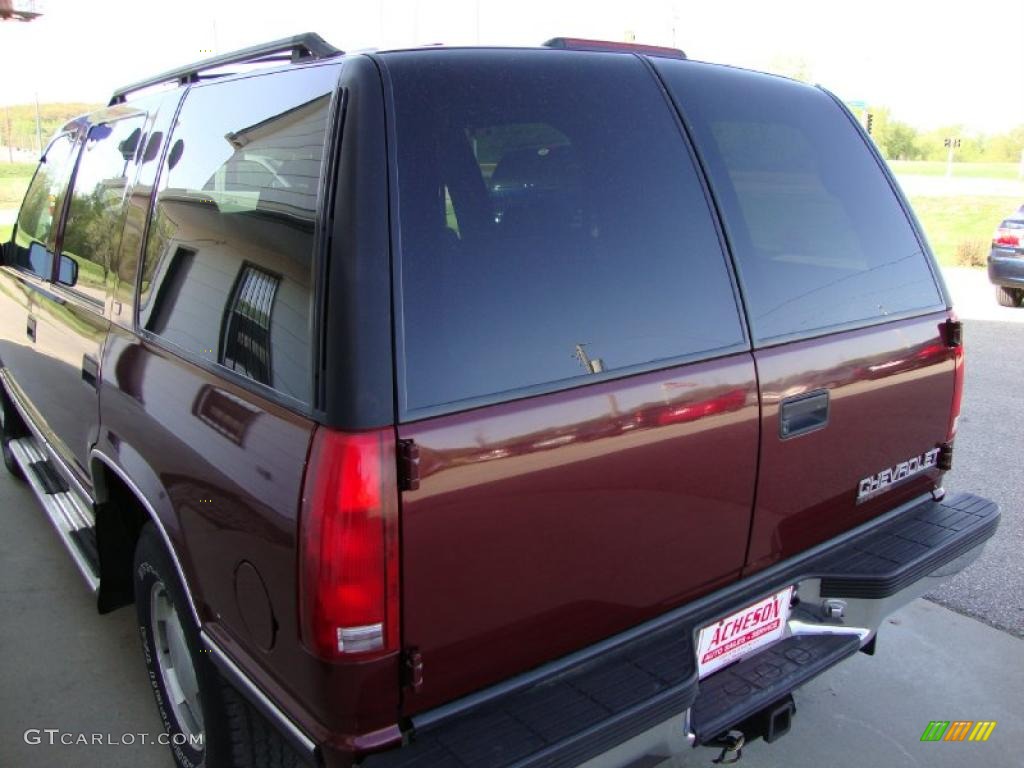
[(70, 514)]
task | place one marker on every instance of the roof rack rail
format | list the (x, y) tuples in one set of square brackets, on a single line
[(308, 46)]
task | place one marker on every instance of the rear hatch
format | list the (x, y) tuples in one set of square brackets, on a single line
[(573, 366)]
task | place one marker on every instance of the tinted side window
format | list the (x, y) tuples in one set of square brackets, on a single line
[(160, 109), (819, 236), (92, 230), (228, 261), (41, 208), (553, 227)]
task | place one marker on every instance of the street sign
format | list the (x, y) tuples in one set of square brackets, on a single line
[(951, 143)]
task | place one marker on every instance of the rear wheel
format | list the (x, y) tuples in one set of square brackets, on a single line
[(208, 722), (1008, 297), (11, 428)]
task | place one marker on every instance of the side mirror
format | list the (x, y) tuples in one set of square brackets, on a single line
[(68, 272), (40, 260)]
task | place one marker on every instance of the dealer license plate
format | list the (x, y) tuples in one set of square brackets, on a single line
[(742, 633)]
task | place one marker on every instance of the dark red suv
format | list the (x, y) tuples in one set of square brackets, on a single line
[(482, 407)]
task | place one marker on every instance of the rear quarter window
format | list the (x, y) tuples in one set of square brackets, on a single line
[(553, 227), (819, 236), (228, 266)]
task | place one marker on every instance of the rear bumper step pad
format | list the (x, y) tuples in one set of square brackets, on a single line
[(568, 718), (908, 548), (733, 694), (575, 708)]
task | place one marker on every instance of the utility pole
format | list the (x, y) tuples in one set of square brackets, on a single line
[(39, 130), (10, 140)]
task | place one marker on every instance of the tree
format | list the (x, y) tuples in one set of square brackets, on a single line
[(795, 67), (1006, 147), (895, 139), (900, 142)]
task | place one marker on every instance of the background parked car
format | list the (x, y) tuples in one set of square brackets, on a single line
[(1006, 261)]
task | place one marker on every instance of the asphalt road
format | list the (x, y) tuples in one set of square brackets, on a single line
[(989, 455), (64, 667)]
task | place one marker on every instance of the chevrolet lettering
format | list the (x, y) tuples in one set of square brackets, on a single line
[(880, 483)]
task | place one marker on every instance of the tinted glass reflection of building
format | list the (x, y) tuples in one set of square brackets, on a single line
[(227, 271)]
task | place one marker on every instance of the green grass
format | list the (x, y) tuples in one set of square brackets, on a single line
[(949, 221), (8, 170), (14, 179), (960, 170)]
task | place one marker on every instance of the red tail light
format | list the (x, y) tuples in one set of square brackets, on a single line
[(348, 546), (958, 381), (1007, 238)]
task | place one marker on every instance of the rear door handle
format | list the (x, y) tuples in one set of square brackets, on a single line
[(30, 328), (803, 413)]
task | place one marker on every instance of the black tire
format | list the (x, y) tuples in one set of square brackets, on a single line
[(234, 734), (1007, 297), (10, 429)]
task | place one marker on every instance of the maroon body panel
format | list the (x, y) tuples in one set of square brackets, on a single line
[(224, 468), (546, 524), (891, 390)]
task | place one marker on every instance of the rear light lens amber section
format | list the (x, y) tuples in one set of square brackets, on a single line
[(348, 546)]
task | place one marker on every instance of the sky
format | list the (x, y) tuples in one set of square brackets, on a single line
[(932, 63)]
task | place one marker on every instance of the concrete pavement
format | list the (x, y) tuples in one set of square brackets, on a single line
[(62, 665), (957, 186), (988, 454), (931, 664)]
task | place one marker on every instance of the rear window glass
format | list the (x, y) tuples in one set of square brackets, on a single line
[(819, 236), (553, 228), (1012, 224)]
